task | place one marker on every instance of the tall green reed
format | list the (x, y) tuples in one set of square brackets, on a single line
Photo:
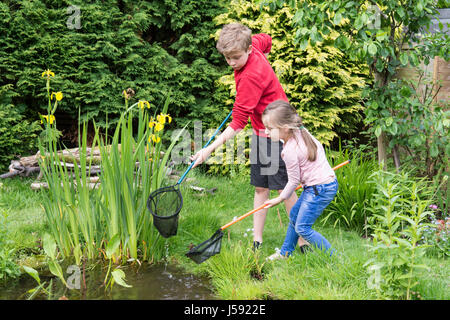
[(82, 219)]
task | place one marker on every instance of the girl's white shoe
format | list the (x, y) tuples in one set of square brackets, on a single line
[(275, 256)]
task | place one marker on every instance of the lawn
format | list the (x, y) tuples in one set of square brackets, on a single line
[(237, 272)]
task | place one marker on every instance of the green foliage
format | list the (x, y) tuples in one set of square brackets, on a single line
[(384, 34), (400, 209), (50, 133), (304, 277), (152, 47), (8, 268), (17, 135), (405, 110), (50, 250), (442, 4), (437, 236), (319, 79), (373, 32), (233, 157), (442, 198), (349, 209), (81, 220)]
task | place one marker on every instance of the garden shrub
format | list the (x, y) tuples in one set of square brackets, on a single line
[(321, 82), (400, 211), (233, 157), (152, 47), (349, 209), (17, 135), (416, 123), (437, 235)]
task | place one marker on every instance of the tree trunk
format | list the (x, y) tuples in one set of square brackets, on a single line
[(396, 155), (382, 155), (380, 80)]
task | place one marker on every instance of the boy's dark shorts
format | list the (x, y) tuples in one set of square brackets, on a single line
[(267, 169)]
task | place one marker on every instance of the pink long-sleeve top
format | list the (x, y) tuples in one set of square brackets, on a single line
[(299, 169)]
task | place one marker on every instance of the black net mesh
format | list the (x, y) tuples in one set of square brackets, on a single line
[(207, 248), (165, 205)]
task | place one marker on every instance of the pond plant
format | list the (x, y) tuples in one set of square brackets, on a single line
[(108, 219), (401, 209)]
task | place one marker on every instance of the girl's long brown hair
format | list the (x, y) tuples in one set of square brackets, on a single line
[(283, 115)]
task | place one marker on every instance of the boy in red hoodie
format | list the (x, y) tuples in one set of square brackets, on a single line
[(256, 86)]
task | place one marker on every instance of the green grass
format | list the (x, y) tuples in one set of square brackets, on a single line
[(25, 218), (310, 276), (238, 273)]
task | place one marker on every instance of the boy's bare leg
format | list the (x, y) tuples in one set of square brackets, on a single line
[(289, 203), (259, 218)]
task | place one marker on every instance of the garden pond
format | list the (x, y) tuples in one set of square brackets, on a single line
[(148, 282)]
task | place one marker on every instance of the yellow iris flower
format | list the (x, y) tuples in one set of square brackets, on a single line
[(58, 96), (152, 123), (158, 127), (50, 118), (154, 138), (162, 118), (143, 103), (48, 73)]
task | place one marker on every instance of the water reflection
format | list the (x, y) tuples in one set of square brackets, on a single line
[(163, 283), (149, 282)]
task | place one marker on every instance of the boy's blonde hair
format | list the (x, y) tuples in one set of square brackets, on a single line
[(234, 37), (281, 114)]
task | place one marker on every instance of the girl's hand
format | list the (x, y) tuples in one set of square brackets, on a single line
[(273, 202), (200, 156)]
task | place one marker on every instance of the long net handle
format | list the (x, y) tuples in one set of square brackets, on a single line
[(264, 205), (207, 143)]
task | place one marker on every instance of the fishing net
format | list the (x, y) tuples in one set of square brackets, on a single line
[(165, 205), (207, 248), (212, 246)]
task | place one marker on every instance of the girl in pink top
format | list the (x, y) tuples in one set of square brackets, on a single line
[(307, 165)]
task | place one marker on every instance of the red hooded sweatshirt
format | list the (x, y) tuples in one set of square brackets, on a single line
[(256, 86)]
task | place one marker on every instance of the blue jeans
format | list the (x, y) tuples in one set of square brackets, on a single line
[(309, 206)]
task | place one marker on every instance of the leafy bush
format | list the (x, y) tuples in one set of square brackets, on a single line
[(152, 47), (83, 221), (320, 81), (406, 111), (349, 209), (437, 233), (400, 209), (17, 135)]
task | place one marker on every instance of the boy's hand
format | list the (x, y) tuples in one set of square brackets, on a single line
[(273, 202), (200, 156), (203, 154)]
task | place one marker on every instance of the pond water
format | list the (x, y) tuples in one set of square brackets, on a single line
[(149, 282)]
